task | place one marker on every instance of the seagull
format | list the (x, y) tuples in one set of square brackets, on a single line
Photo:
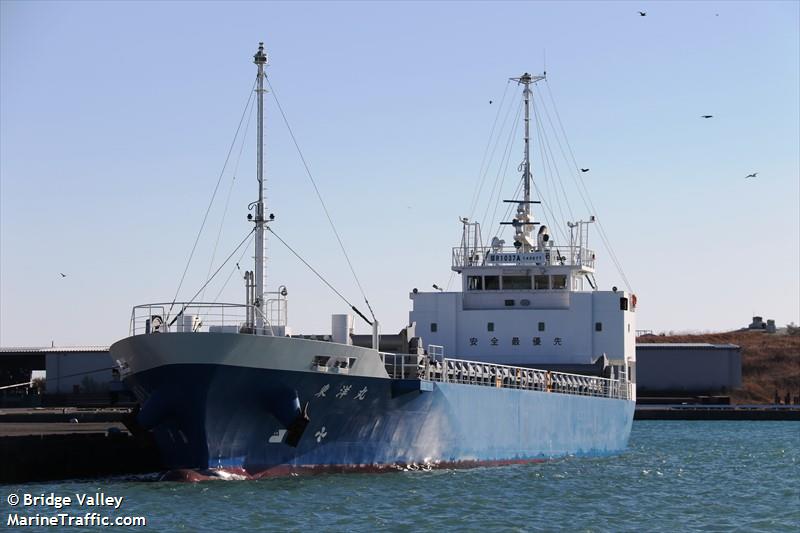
[(706, 116), (584, 170), (642, 13), (753, 175), (63, 275)]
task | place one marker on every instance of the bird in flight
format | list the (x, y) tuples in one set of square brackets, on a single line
[(584, 170), (63, 275), (642, 13), (706, 116), (753, 175)]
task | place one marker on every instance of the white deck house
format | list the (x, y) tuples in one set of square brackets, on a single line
[(527, 308)]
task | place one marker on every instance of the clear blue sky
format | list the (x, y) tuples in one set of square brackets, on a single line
[(115, 119)]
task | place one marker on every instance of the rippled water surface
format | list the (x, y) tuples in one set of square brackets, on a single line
[(675, 476)]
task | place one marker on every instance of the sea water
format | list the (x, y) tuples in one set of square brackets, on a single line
[(675, 476)]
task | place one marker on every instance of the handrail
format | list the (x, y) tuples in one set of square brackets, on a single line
[(462, 371), (554, 255), (194, 317)]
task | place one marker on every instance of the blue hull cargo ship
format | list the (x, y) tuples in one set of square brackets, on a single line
[(523, 364)]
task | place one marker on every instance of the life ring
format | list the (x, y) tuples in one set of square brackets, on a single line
[(633, 300)]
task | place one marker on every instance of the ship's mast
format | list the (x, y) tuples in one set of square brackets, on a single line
[(260, 59), (524, 212), (526, 79)]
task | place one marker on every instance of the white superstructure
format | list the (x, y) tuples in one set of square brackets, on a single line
[(534, 303)]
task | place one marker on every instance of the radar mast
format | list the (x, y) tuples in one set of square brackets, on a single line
[(523, 220)]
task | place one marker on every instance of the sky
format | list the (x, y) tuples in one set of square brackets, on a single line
[(116, 119)]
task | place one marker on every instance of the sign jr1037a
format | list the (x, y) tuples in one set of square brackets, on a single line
[(518, 258)]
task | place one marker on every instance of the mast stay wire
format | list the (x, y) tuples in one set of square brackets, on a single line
[(234, 269), (500, 227), (201, 289), (324, 207), (552, 192), (550, 161), (481, 171), (503, 162), (504, 171), (557, 182), (587, 198), (312, 269), (230, 191), (211, 201), (500, 135), (546, 177)]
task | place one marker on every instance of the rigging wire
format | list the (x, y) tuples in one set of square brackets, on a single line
[(211, 202), (230, 190), (504, 171), (234, 269), (501, 228), (187, 304), (312, 269), (84, 373), (549, 162), (547, 174), (324, 207), (588, 203), (491, 156), (503, 162), (481, 173), (483, 170)]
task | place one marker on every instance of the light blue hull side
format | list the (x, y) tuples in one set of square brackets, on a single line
[(226, 416)]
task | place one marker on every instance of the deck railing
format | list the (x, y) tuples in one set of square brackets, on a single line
[(410, 366), (555, 255), (184, 317)]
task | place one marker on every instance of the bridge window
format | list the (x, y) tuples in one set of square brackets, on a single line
[(560, 281), (516, 282), (541, 282), (598, 326), (434, 327), (541, 326), (474, 283), (491, 283), (623, 304), (490, 326)]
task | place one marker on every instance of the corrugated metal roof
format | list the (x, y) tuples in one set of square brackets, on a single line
[(686, 345), (52, 349)]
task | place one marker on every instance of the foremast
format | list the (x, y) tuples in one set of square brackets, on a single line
[(260, 59)]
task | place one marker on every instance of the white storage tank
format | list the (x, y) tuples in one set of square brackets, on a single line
[(341, 328)]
